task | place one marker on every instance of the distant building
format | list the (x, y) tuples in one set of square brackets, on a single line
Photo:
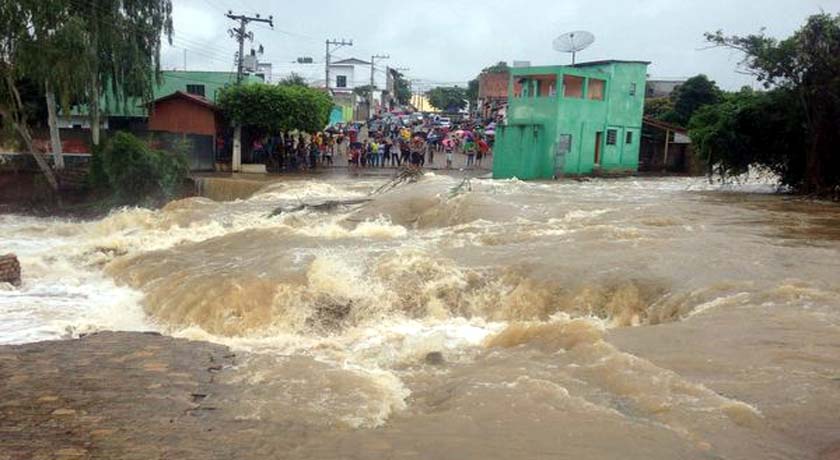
[(661, 88), (348, 74), (492, 92), (580, 119)]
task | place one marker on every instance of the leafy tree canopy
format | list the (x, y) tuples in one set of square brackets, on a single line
[(500, 67), (276, 108), (293, 79), (448, 98), (696, 92), (795, 128)]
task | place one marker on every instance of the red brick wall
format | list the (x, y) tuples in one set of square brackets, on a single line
[(182, 116), (493, 85)]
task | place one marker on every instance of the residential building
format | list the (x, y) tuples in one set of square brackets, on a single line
[(579, 119), (131, 114), (191, 117), (492, 92), (348, 74)]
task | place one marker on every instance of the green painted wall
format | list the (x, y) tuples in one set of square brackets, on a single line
[(526, 148)]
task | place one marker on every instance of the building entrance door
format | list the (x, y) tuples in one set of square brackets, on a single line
[(598, 138), (564, 146)]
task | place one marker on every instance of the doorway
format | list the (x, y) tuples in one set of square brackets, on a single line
[(598, 137)]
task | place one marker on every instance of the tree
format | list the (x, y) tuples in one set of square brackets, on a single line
[(448, 98), (696, 92), (472, 92), (280, 108), (807, 66), (500, 67), (293, 79), (74, 49), (23, 23), (123, 49), (659, 108), (751, 128), (137, 174), (402, 88)]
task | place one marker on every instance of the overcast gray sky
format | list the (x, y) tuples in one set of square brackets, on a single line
[(450, 41)]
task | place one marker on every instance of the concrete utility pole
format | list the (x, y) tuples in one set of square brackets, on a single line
[(240, 34), (373, 60), (338, 44)]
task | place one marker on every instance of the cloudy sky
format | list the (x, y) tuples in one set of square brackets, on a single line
[(450, 41)]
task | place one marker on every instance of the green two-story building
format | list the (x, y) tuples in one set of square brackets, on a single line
[(572, 120)]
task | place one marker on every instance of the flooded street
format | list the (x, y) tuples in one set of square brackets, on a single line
[(631, 318)]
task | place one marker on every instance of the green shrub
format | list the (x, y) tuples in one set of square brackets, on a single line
[(137, 174)]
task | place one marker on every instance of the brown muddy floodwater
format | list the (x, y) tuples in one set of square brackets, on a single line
[(626, 319)]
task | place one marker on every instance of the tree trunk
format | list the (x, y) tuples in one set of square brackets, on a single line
[(19, 123), (94, 115), (39, 159), (55, 135)]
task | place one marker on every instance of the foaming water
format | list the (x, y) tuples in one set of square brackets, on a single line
[(434, 305)]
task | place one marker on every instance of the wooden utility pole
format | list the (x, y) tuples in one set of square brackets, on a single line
[(373, 60), (338, 44), (240, 34)]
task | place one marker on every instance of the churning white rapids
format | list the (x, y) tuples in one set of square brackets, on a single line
[(633, 318)]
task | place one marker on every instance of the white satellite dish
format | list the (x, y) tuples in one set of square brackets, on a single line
[(574, 42)]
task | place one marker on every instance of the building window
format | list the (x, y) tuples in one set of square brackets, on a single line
[(629, 137), (596, 89), (572, 87), (632, 89), (612, 136), (341, 81), (198, 90)]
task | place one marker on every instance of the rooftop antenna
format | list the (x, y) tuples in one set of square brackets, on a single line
[(574, 42)]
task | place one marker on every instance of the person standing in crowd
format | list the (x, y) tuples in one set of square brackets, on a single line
[(405, 152), (483, 150), (469, 149), (313, 154), (355, 154), (430, 148), (374, 153), (329, 150), (395, 152), (386, 150)]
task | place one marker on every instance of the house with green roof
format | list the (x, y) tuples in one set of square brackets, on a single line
[(571, 120), (131, 113)]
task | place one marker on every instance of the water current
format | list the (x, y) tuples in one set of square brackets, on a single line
[(633, 318)]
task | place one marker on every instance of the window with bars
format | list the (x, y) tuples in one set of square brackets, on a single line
[(198, 90), (341, 81), (629, 137), (612, 136)]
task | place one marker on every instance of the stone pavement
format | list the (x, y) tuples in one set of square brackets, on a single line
[(126, 396)]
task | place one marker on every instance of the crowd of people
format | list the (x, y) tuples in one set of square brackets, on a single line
[(376, 144)]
